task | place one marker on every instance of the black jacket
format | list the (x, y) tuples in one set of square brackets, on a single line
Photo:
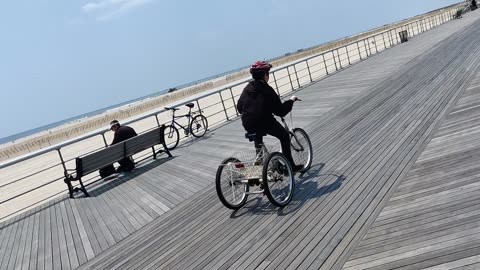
[(258, 103), (123, 133)]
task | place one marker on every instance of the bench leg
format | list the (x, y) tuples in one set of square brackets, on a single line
[(154, 153), (71, 189), (162, 140), (68, 181), (83, 189)]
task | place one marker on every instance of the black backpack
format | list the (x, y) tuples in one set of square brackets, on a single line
[(107, 171), (254, 106)]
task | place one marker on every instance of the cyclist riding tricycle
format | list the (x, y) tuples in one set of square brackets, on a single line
[(274, 172)]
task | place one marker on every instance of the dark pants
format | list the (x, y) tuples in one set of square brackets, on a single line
[(276, 130)]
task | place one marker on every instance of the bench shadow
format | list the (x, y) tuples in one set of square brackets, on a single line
[(94, 188), (306, 188), (101, 186)]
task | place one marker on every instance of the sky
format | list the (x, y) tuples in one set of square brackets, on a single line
[(60, 59)]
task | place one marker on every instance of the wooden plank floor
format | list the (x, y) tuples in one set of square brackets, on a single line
[(368, 125), (432, 220)]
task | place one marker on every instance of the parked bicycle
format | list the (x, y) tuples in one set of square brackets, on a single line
[(271, 172), (196, 125)]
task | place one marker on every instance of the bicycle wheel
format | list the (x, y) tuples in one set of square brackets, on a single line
[(302, 152), (230, 190), (277, 179), (198, 126), (171, 137)]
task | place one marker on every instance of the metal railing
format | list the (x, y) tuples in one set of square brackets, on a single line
[(218, 105)]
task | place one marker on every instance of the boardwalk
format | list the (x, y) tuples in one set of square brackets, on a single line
[(393, 182)]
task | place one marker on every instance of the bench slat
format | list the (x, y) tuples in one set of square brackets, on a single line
[(142, 142), (102, 158)]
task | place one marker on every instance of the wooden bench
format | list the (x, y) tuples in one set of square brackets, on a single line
[(107, 156)]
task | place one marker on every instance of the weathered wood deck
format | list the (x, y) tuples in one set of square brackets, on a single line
[(393, 182)]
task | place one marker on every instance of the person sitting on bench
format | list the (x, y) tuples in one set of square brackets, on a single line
[(123, 133)]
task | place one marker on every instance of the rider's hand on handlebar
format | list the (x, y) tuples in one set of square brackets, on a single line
[(294, 98)]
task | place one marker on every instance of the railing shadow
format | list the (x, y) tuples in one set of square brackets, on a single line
[(192, 140)]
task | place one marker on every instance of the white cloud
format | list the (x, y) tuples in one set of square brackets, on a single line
[(107, 9)]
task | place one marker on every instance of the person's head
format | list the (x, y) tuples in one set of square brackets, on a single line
[(260, 69), (114, 125)]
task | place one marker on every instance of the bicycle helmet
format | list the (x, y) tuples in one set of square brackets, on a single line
[(260, 66)]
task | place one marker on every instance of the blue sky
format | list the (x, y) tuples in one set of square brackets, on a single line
[(59, 59)]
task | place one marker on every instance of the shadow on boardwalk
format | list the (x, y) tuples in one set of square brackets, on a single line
[(307, 187)]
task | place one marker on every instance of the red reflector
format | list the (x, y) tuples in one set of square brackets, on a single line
[(239, 165)]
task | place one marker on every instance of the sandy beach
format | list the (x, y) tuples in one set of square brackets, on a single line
[(17, 180)]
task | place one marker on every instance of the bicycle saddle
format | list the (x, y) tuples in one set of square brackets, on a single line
[(190, 105), (250, 136), (173, 109)]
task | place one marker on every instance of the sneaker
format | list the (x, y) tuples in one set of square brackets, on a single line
[(253, 182), (297, 168)]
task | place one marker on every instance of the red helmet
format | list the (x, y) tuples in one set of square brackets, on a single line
[(260, 66)]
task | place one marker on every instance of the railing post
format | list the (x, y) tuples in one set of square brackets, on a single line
[(275, 81), (198, 105), (156, 117), (365, 45), (233, 100), (375, 43), (384, 43), (334, 60), (309, 73), (290, 78), (339, 59), (296, 75), (359, 52), (369, 46), (224, 108), (325, 63), (62, 161), (348, 55), (104, 139)]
